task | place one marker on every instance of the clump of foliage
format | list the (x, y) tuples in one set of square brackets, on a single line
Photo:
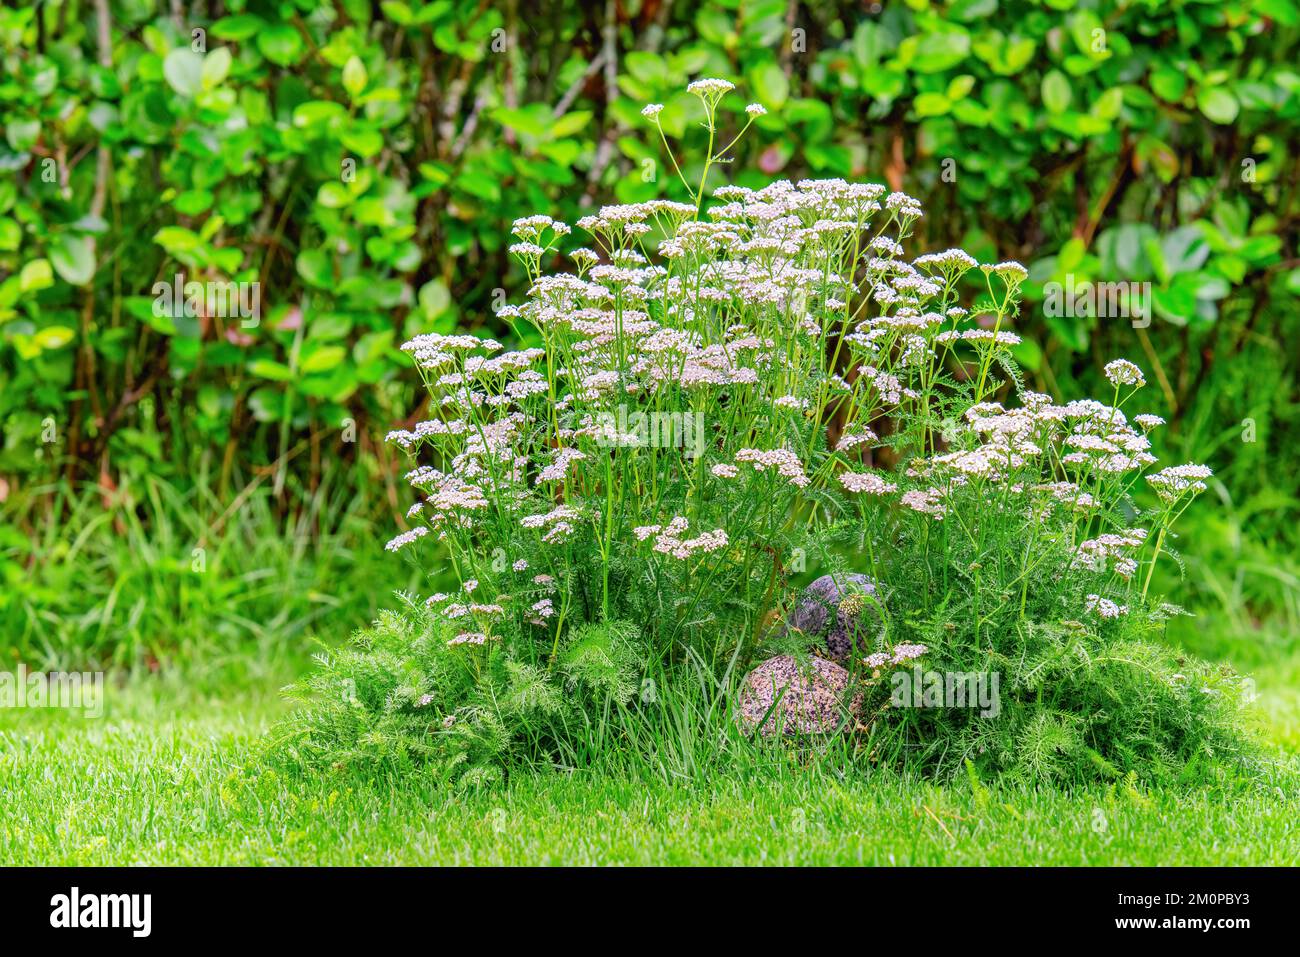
[(383, 699), (718, 389)]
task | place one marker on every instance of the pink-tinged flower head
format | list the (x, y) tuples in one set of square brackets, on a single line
[(1122, 372)]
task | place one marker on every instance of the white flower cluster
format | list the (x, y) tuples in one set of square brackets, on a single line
[(783, 461), (900, 655), (710, 87), (866, 482), (1172, 483), (669, 539), (1104, 607), (1122, 372)]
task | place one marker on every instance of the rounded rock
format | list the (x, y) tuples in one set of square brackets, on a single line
[(813, 701), (840, 594)]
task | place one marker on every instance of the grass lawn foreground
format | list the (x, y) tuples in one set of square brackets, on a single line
[(164, 777)]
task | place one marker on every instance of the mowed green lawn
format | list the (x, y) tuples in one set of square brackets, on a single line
[(167, 778)]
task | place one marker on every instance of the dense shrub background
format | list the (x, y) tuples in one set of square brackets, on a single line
[(363, 163)]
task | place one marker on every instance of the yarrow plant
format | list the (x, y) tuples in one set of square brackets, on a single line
[(860, 410)]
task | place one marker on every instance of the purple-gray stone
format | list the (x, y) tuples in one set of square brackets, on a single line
[(831, 609), (813, 702)]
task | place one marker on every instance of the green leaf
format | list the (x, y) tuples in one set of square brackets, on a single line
[(936, 52), (434, 298), (966, 10), (73, 258), (355, 77), (315, 268), (53, 337), (193, 202), (363, 142), (216, 65), (481, 184), (399, 13), (570, 123), (869, 45), (1184, 250), (22, 134), (177, 239), (649, 68), (1089, 35), (317, 112), (267, 404), (534, 120), (11, 235), (322, 359), (333, 195), (183, 69), (960, 86), (374, 212), (1205, 285), (771, 85), (37, 274), (239, 27), (280, 43), (270, 369), (1028, 354), (1218, 105), (1169, 84), (330, 325), (932, 104), (1056, 92), (1108, 105)]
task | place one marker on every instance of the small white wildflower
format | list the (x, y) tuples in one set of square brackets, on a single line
[(849, 439), (1122, 372), (406, 538), (866, 482), (469, 638), (1104, 607), (710, 86), (785, 462), (927, 502), (1011, 272), (1171, 483)]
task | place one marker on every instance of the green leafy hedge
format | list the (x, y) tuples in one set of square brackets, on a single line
[(360, 162)]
